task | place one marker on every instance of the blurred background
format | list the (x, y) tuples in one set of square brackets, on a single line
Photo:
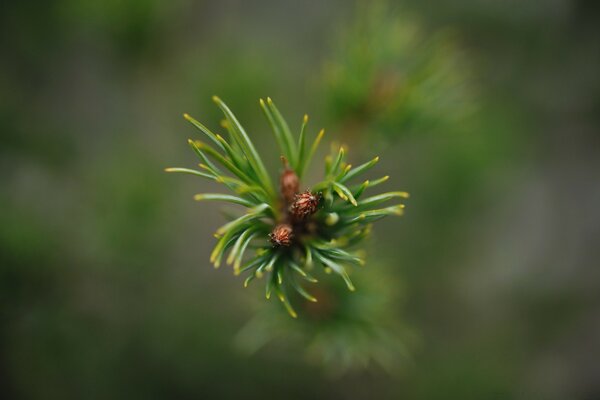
[(488, 112)]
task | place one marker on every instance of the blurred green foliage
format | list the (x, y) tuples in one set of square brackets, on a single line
[(343, 331), (104, 287), (388, 76)]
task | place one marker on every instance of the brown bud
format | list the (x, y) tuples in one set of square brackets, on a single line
[(289, 185), (305, 204), (282, 235)]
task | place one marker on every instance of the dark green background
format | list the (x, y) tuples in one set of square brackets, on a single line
[(105, 286)]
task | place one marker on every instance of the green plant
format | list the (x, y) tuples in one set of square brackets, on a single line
[(386, 75), (345, 331), (290, 232)]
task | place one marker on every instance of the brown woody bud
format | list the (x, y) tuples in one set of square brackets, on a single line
[(288, 182), (282, 235), (305, 204), (289, 185)]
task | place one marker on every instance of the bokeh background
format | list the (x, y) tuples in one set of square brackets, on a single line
[(488, 112)]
